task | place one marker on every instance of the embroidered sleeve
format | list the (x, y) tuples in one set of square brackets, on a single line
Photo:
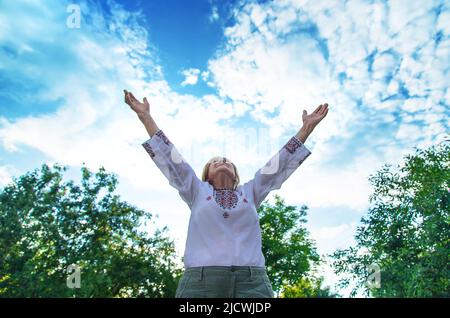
[(277, 170), (179, 173)]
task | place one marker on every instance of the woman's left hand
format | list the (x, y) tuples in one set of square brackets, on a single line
[(315, 117)]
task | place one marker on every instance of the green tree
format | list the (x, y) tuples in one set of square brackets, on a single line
[(406, 232), (47, 224), (289, 252), (308, 287)]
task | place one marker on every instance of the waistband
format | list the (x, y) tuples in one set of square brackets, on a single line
[(202, 270)]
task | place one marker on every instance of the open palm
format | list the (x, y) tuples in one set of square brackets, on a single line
[(139, 107), (316, 116)]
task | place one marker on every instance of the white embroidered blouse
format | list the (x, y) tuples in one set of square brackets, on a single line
[(224, 225)]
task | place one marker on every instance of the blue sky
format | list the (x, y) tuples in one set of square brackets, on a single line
[(216, 75)]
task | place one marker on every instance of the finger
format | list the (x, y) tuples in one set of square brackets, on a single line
[(323, 114), (304, 114), (129, 101), (132, 97), (317, 111), (145, 100), (324, 109)]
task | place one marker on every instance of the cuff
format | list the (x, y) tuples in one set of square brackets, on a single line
[(293, 144), (154, 142), (295, 147)]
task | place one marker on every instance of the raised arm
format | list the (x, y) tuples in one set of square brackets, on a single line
[(142, 110), (166, 157), (286, 161)]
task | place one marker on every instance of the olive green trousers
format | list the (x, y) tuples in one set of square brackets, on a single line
[(224, 282)]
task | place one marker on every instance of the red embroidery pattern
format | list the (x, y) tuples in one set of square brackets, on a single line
[(292, 144), (226, 215), (226, 198), (161, 134), (149, 149), (245, 200), (208, 198)]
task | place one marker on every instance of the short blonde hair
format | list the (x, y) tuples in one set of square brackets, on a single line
[(206, 170)]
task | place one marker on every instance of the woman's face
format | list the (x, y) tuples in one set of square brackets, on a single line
[(221, 165)]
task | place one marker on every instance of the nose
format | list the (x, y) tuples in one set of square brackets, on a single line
[(220, 162)]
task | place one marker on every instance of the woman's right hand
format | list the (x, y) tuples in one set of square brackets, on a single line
[(140, 108)]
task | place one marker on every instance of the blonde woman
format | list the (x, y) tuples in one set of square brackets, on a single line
[(223, 255)]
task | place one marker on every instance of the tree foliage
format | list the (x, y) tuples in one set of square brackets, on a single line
[(406, 231), (47, 224), (308, 287), (289, 251)]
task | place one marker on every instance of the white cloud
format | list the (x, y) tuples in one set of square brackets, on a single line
[(414, 104), (6, 174), (191, 76), (330, 238), (442, 23), (328, 184), (272, 65)]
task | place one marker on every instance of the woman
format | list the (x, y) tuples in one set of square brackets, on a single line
[(223, 255)]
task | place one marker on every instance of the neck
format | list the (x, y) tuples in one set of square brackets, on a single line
[(222, 181)]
